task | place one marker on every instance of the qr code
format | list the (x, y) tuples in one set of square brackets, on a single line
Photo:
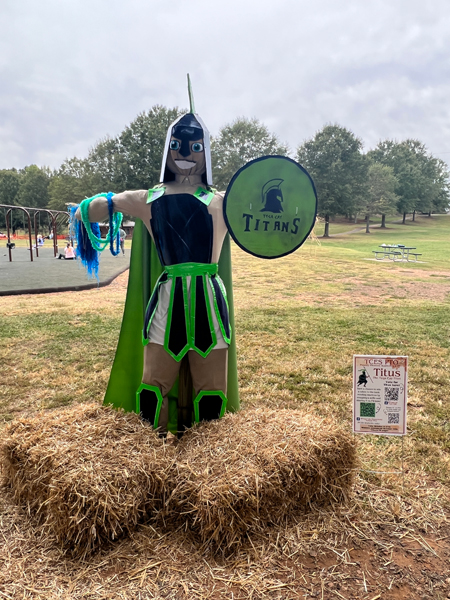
[(393, 418), (391, 393), (367, 409)]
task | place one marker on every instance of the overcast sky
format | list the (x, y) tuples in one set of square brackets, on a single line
[(75, 71)]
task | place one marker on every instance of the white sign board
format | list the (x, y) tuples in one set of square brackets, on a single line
[(380, 394)]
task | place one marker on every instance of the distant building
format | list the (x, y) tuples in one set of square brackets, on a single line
[(127, 226)]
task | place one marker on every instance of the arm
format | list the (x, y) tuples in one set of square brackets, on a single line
[(215, 209), (132, 203)]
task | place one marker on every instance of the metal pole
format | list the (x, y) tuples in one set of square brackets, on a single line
[(9, 234), (55, 245), (35, 234), (29, 233), (403, 459)]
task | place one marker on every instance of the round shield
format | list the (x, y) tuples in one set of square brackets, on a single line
[(270, 206)]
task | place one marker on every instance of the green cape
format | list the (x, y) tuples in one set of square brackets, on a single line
[(126, 372)]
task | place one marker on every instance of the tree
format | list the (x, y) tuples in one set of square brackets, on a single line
[(107, 164), (33, 188), (9, 188), (137, 162), (334, 159), (440, 190), (381, 198), (414, 169), (72, 182), (238, 143), (132, 160)]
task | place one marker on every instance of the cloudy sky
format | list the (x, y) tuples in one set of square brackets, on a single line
[(75, 71)]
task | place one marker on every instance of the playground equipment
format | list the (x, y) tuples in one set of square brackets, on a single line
[(53, 215)]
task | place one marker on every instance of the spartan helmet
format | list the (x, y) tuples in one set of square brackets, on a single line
[(272, 196), (187, 150)]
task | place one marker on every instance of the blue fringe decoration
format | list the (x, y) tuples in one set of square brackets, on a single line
[(87, 254), (111, 226)]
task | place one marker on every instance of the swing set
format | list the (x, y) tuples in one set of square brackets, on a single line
[(55, 218)]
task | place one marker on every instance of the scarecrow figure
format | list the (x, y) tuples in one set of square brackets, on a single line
[(187, 317), (187, 370)]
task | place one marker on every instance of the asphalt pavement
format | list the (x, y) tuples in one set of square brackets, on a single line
[(48, 274)]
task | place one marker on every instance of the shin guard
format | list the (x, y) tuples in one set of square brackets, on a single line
[(209, 406), (148, 403)]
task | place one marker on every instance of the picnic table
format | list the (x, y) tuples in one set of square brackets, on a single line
[(396, 252)]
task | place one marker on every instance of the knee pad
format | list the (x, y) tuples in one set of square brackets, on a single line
[(209, 405), (148, 403)]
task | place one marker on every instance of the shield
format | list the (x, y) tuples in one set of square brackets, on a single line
[(270, 206)]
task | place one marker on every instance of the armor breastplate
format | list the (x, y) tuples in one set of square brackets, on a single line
[(182, 229)]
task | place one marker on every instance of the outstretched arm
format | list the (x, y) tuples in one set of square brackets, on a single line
[(132, 203)]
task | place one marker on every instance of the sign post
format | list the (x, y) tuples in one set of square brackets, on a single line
[(380, 392)]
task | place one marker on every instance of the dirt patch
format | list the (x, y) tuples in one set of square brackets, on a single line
[(355, 291)]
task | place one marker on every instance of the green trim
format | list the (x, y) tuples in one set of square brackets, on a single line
[(187, 346), (186, 316), (210, 319), (208, 312), (169, 319), (184, 271), (192, 318), (227, 339), (150, 388), (158, 284), (155, 193), (209, 393), (225, 295), (204, 196), (191, 269)]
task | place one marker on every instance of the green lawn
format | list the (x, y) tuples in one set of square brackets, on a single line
[(299, 320), (428, 235)]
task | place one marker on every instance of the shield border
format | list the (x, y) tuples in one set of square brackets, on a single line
[(230, 230)]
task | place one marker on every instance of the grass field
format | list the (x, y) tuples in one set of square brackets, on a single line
[(299, 320)]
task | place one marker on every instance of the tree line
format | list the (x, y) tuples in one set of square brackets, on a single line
[(393, 178)]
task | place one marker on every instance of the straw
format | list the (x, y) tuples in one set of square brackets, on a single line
[(258, 468), (88, 475)]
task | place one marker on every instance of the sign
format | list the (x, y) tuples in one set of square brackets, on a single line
[(380, 394), (270, 206)]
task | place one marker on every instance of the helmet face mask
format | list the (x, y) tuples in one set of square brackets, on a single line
[(187, 151), (186, 154)]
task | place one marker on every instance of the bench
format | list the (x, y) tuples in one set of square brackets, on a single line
[(386, 253), (413, 254)]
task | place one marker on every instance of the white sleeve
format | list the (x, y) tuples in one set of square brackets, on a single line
[(133, 203)]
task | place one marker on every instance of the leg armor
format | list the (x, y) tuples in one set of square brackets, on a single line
[(149, 403), (209, 405)]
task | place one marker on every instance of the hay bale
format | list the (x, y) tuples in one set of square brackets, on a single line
[(87, 473), (255, 468)]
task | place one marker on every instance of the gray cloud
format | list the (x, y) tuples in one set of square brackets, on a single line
[(73, 72)]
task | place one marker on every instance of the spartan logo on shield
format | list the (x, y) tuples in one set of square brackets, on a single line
[(272, 196)]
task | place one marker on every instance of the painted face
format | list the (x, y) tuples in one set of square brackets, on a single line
[(186, 156)]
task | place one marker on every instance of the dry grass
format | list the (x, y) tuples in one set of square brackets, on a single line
[(384, 541), (298, 324)]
